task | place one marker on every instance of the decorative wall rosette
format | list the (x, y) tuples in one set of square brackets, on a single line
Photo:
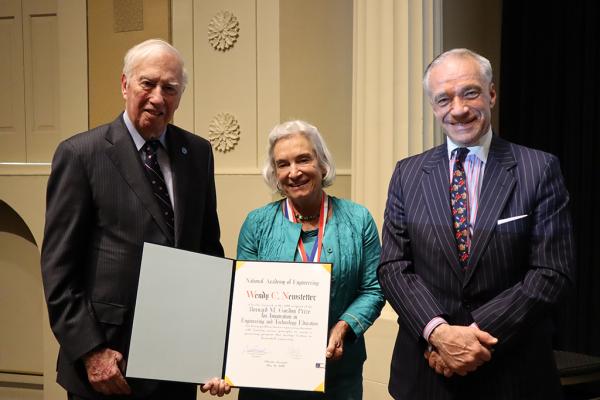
[(224, 132), (223, 30)]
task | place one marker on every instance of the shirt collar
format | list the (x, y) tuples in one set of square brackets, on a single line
[(481, 149), (137, 138)]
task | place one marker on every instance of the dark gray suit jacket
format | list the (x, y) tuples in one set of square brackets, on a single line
[(517, 271), (100, 211)]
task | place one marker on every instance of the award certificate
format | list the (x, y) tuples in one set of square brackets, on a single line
[(256, 324), (278, 325)]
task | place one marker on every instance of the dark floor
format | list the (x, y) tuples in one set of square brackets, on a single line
[(583, 391)]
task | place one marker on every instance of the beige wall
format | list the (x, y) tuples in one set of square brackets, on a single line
[(24, 338), (20, 299), (29, 109), (106, 48), (476, 25), (316, 69), (269, 75), (48, 99)]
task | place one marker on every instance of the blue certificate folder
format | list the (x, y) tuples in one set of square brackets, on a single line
[(197, 318)]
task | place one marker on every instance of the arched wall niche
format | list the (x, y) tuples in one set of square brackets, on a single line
[(11, 222), (21, 312)]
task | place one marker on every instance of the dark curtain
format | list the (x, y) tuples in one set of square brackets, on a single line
[(550, 100)]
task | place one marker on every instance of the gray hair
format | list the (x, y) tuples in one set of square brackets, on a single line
[(139, 52), (310, 132), (484, 65)]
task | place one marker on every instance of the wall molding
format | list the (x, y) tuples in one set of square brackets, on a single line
[(22, 379), (24, 169), (43, 169), (258, 171)]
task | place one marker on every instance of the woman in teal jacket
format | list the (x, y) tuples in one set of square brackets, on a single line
[(309, 225)]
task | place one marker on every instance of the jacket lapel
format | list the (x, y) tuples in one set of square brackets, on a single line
[(498, 184), (435, 190), (123, 154)]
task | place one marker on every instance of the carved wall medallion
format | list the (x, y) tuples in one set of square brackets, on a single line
[(224, 132), (223, 30)]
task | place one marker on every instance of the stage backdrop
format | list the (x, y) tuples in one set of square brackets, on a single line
[(550, 101)]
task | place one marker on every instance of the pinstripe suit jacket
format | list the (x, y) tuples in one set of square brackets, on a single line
[(517, 271), (100, 211)]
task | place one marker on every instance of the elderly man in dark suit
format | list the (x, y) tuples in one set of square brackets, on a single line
[(135, 180), (477, 250)]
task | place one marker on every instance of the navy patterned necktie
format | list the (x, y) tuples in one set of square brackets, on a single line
[(459, 200), (157, 181)]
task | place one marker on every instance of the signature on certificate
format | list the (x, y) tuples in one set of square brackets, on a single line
[(255, 351)]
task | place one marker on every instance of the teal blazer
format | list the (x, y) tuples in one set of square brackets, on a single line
[(351, 243)]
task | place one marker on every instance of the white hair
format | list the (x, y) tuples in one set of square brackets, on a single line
[(485, 66), (324, 158), (141, 51)]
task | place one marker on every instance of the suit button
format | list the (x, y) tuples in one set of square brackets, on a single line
[(329, 250), (467, 305)]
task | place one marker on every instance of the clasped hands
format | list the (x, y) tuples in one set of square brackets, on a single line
[(104, 368), (459, 349)]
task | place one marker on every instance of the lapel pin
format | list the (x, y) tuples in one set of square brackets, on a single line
[(183, 151)]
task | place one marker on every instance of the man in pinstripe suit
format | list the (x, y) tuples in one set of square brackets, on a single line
[(477, 327), (135, 180)]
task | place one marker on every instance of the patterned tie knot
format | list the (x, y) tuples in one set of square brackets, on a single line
[(151, 147), (461, 154)]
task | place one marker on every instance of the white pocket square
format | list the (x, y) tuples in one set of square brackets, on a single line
[(505, 220)]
